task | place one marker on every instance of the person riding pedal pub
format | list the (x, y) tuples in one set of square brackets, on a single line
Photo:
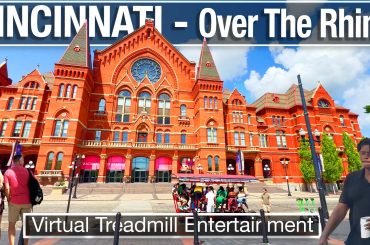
[(355, 197), (17, 193), (211, 200)]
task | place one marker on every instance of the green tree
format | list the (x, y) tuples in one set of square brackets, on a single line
[(306, 165), (332, 162), (367, 109), (354, 161)]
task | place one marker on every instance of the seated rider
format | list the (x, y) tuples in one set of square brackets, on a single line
[(230, 197), (220, 197), (242, 196), (184, 199)]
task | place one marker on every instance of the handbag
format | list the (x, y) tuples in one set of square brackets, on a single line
[(36, 194)]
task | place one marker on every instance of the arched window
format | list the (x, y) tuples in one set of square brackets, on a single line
[(68, 91), (101, 108), (125, 136), (281, 139), (3, 128), (210, 102), (183, 137), (341, 119), (167, 137), (61, 128), (211, 133), (116, 136), (159, 137), (249, 119), (215, 101), (61, 90), (209, 159), (323, 103), (183, 110), (10, 103), (144, 102), (50, 160), (58, 165), (74, 91), (217, 165), (123, 106), (164, 105), (205, 102), (239, 138)]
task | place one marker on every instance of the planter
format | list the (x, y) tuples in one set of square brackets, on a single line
[(58, 190)]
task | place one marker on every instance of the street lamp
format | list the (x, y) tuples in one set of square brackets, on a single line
[(199, 168), (74, 164), (316, 133), (285, 163), (267, 169), (320, 184), (230, 168), (30, 165), (79, 159)]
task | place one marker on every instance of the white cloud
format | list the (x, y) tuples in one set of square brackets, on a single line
[(231, 62), (342, 71)]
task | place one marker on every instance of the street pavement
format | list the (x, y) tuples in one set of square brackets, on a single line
[(162, 203)]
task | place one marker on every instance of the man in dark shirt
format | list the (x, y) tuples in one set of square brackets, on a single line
[(355, 197)]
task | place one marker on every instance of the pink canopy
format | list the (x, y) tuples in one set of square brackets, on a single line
[(91, 163), (116, 163), (163, 164)]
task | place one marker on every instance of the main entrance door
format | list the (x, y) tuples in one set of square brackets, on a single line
[(88, 176), (140, 169)]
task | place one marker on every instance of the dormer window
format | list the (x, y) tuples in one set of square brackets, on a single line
[(323, 103)]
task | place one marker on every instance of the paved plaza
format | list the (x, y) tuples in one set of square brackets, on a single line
[(160, 201)]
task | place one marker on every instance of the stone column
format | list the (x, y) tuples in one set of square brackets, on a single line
[(258, 171), (102, 168), (128, 169), (175, 164), (151, 168)]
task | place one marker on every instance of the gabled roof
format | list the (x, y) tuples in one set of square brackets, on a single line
[(49, 78), (4, 79), (78, 51), (286, 100), (226, 94), (206, 68)]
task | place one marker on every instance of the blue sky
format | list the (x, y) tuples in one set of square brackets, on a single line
[(344, 72)]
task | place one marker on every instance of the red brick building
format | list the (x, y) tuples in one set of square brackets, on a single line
[(142, 112)]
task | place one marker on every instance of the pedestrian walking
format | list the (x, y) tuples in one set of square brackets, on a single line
[(17, 193), (355, 197), (266, 203)]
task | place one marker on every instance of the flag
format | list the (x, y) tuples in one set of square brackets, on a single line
[(238, 161), (242, 161), (16, 150)]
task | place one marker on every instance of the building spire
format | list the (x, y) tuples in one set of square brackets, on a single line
[(78, 51), (206, 68)]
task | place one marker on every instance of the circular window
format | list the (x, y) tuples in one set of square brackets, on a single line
[(146, 68)]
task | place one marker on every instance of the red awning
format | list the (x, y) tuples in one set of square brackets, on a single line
[(91, 163), (116, 163), (223, 178)]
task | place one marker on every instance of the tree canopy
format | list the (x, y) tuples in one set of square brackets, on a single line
[(333, 167)]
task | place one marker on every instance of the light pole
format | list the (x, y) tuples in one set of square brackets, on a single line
[(320, 184), (230, 168), (267, 169), (73, 166), (79, 159), (285, 163)]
